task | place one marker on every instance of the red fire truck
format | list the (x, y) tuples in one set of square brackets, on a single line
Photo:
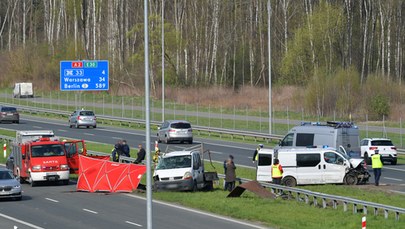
[(39, 156)]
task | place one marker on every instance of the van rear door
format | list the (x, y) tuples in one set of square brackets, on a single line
[(263, 170)]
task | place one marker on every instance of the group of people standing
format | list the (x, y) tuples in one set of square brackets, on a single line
[(121, 148)]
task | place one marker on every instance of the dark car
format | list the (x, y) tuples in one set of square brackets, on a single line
[(9, 114)]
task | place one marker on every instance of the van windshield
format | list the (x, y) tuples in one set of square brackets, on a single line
[(47, 150), (175, 162)]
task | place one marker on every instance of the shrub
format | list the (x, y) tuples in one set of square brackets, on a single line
[(379, 106)]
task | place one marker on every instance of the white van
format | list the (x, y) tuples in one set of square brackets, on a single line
[(312, 166), (184, 171), (23, 90), (331, 134)]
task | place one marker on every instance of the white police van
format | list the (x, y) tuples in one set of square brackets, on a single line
[(332, 134), (312, 166)]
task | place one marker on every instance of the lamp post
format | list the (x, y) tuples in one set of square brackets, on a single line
[(163, 60), (269, 51)]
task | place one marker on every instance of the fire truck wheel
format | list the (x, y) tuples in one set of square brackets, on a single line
[(33, 183)]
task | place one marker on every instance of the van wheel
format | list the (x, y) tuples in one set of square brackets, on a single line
[(289, 181), (350, 179)]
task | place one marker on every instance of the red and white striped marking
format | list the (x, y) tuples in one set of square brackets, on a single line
[(363, 222), (5, 149), (156, 145)]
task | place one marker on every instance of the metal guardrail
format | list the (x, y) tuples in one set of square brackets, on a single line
[(199, 129), (209, 130), (309, 197), (5, 137)]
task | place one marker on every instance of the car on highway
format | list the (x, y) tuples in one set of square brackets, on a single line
[(82, 117), (9, 114), (175, 130), (386, 149), (10, 187)]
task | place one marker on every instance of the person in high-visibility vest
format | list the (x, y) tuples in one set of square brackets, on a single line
[(276, 172), (376, 164), (256, 153)]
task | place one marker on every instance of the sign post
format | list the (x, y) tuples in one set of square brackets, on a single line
[(84, 75)]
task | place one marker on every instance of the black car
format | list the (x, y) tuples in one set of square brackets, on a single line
[(9, 114)]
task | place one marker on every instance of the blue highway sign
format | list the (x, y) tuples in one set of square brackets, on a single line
[(84, 75)]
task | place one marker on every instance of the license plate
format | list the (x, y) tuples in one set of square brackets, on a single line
[(51, 174), (52, 178), (10, 114), (172, 186)]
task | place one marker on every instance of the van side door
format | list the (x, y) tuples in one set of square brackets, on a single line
[(309, 168), (263, 169), (334, 169)]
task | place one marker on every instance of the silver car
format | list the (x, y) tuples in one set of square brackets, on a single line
[(9, 114), (175, 130), (80, 118), (9, 186)]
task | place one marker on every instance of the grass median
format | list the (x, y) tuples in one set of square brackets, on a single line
[(279, 213)]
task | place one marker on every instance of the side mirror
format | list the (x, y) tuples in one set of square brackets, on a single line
[(11, 158), (23, 156), (279, 142)]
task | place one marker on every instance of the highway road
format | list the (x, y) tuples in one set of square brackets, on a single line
[(392, 176), (57, 206)]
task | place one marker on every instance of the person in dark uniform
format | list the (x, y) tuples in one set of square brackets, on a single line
[(141, 155)]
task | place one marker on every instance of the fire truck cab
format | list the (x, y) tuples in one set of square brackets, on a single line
[(39, 156)]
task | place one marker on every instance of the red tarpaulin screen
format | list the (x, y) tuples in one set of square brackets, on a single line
[(107, 176)]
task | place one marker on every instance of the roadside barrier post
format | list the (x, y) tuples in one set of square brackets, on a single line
[(4, 150), (363, 222)]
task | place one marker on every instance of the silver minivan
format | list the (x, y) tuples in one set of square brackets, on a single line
[(175, 130), (82, 118)]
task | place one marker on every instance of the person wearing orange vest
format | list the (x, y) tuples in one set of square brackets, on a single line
[(276, 172), (376, 164)]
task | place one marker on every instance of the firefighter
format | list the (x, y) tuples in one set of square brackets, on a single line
[(276, 172), (376, 164), (256, 153), (156, 155)]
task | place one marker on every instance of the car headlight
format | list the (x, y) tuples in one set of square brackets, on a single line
[(187, 176), (17, 186), (36, 168), (64, 167)]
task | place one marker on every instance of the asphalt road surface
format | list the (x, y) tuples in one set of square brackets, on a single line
[(392, 175), (59, 206)]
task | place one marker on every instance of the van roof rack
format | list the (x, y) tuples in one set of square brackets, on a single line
[(334, 124)]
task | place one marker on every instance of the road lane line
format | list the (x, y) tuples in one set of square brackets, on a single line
[(52, 200), (200, 212), (132, 223), (89, 134), (216, 152), (403, 193), (117, 138), (60, 130), (87, 210), (37, 127), (395, 179), (21, 221), (396, 169)]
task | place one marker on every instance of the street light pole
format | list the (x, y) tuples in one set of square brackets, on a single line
[(147, 117), (269, 51), (163, 60)]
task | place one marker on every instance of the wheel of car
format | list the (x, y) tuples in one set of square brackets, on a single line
[(87, 127), (289, 181), (77, 126), (167, 140), (190, 141), (95, 126), (65, 182), (18, 122), (350, 179), (393, 162)]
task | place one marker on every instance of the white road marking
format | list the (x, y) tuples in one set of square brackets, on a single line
[(87, 210), (132, 223), (117, 138), (89, 134), (216, 152), (60, 130), (21, 221), (55, 201), (396, 169), (395, 179), (200, 212), (398, 192), (37, 127)]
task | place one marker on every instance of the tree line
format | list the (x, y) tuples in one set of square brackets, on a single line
[(207, 42)]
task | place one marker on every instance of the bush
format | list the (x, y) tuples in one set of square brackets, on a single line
[(379, 107)]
